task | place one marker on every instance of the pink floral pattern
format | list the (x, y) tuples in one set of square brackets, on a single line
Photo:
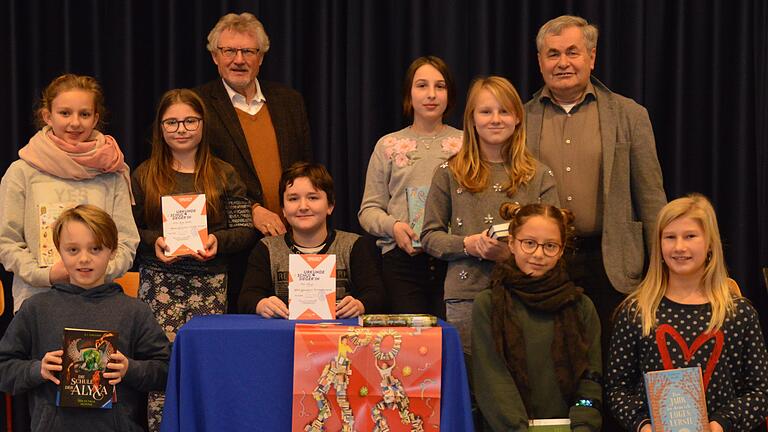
[(451, 145), (400, 151)]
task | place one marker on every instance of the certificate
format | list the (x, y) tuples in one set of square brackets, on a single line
[(185, 225), (311, 286)]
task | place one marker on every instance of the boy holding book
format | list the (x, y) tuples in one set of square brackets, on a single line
[(31, 349), (307, 198)]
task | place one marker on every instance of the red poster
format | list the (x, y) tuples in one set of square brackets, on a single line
[(366, 378)]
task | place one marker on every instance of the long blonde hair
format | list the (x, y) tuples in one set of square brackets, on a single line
[(469, 169), (647, 297)]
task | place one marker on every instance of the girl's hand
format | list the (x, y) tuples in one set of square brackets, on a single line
[(51, 363), (715, 427), (349, 307), (118, 366), (471, 244), (57, 273), (492, 249), (160, 248), (404, 236), (211, 247), (272, 307)]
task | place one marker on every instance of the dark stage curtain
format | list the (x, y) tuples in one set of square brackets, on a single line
[(700, 67)]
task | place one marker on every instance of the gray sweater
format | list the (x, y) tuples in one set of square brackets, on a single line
[(38, 328), (401, 159), (453, 213)]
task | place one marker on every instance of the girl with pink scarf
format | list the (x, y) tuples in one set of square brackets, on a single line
[(66, 163)]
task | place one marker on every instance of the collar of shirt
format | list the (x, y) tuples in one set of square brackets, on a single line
[(239, 102), (589, 95)]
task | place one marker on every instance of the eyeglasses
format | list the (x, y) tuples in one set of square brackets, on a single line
[(229, 52), (550, 249), (172, 125)]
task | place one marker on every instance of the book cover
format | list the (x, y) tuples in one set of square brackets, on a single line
[(549, 425), (47, 214), (397, 320), (676, 400), (185, 225), (417, 200), (311, 286), (350, 378), (86, 354), (499, 231)]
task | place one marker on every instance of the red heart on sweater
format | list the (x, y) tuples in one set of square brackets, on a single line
[(666, 329)]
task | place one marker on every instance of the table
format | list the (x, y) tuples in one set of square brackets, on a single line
[(235, 373)]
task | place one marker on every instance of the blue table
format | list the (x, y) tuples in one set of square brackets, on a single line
[(235, 373)]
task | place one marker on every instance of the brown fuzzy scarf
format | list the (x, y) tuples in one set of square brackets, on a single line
[(552, 292)]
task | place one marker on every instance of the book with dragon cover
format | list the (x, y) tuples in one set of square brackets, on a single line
[(86, 354)]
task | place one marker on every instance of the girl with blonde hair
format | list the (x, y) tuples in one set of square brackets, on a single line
[(492, 167), (685, 314)]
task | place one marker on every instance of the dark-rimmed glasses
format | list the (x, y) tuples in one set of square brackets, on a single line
[(171, 125), (529, 246), (229, 52)]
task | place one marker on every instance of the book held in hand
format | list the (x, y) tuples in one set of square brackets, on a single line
[(185, 225), (417, 200), (549, 425), (86, 354), (397, 320), (311, 286), (676, 400), (499, 231)]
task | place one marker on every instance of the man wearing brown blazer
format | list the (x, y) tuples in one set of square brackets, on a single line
[(601, 149), (259, 127)]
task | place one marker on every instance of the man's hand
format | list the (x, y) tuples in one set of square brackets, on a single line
[(267, 222)]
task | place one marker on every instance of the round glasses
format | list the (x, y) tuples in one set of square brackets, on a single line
[(550, 249), (172, 125), (229, 52)]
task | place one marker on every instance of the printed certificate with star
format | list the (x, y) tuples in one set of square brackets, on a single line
[(349, 378), (185, 224), (311, 286)]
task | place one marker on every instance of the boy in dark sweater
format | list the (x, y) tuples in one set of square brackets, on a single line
[(31, 351)]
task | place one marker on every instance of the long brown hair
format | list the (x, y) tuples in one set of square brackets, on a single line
[(158, 179), (437, 63), (469, 169)]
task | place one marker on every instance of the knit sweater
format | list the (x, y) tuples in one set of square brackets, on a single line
[(401, 159), (24, 189), (736, 380), (37, 329), (234, 230), (452, 213), (358, 271), (495, 389)]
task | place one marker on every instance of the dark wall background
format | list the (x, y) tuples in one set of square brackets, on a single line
[(699, 66)]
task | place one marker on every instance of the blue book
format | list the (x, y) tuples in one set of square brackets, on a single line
[(676, 400)]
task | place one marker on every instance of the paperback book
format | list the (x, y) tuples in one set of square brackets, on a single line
[(676, 400), (86, 354)]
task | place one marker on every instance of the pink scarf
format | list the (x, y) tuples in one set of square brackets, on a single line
[(84, 160)]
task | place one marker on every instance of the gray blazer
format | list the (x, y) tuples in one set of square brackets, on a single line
[(633, 190)]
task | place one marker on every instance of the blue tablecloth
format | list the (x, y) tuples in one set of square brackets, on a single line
[(235, 373)]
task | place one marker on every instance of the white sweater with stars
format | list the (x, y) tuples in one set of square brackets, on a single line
[(736, 382)]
